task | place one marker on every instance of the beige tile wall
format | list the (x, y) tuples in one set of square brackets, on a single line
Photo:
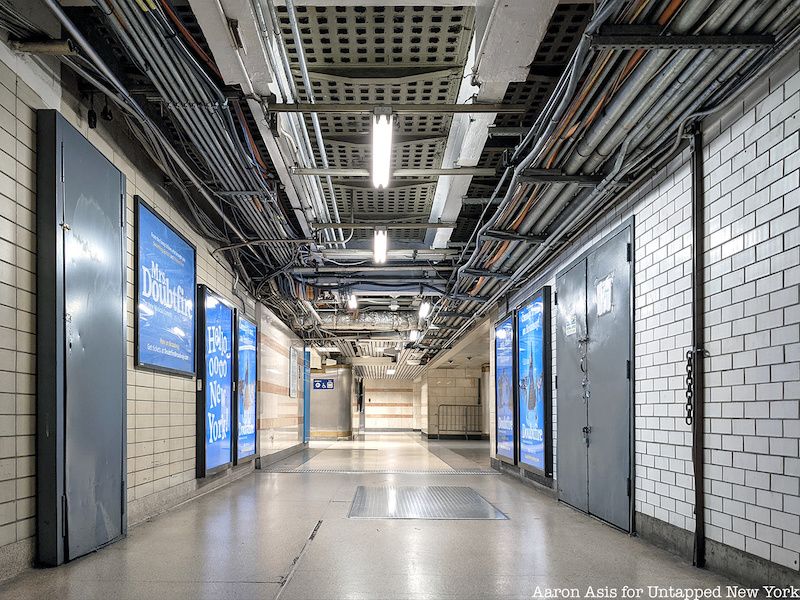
[(388, 403), (450, 386), (280, 416), (17, 315), (160, 408)]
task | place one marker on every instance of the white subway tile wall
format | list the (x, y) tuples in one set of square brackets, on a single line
[(752, 236)]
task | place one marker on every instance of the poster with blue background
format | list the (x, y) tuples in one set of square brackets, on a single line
[(218, 323), (504, 386), (532, 381), (247, 341), (165, 284)]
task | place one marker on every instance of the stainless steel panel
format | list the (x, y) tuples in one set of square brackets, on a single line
[(94, 322), (572, 471), (608, 282), (421, 502)]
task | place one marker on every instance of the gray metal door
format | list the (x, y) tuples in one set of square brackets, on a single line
[(572, 471), (608, 281), (94, 323)]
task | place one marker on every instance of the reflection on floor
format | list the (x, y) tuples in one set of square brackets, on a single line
[(288, 536), (390, 453)]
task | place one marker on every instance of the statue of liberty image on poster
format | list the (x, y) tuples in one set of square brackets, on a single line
[(531, 384)]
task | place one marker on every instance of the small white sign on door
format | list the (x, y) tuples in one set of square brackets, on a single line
[(572, 325), (604, 289)]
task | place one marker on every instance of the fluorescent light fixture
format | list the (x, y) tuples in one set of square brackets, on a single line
[(352, 302), (391, 371), (424, 309), (382, 122), (380, 247), (327, 349), (413, 335)]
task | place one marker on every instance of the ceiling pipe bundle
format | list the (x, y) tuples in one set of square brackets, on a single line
[(660, 89)]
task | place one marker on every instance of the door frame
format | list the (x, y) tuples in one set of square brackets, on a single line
[(625, 224), (51, 384)]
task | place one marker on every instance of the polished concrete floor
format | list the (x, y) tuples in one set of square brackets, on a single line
[(286, 535)]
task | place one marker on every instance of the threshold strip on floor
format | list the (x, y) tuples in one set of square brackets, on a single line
[(351, 471)]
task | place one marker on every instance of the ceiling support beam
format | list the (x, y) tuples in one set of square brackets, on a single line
[(556, 176), (398, 109), (507, 36), (387, 268), (652, 41), (353, 172), (495, 234), (382, 225), (467, 201), (482, 273)]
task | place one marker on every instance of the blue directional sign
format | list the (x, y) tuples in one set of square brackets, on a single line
[(323, 384)]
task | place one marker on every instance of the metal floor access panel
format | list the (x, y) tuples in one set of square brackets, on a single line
[(421, 502)]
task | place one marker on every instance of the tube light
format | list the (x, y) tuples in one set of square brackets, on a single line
[(327, 349), (381, 149), (424, 309), (381, 244), (413, 335), (391, 371), (352, 302)]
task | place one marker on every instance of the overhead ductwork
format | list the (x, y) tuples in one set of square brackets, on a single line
[(370, 321)]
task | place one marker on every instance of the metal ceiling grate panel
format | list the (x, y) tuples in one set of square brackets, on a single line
[(396, 35), (383, 55)]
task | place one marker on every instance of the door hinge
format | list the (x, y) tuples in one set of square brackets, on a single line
[(629, 251), (63, 515), (555, 299), (628, 369), (122, 210), (556, 383), (629, 487)]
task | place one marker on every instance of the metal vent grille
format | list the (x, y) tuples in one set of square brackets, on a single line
[(421, 502)]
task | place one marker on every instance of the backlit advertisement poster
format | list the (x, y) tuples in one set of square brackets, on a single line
[(533, 381), (247, 349), (504, 387), (215, 391), (165, 284)]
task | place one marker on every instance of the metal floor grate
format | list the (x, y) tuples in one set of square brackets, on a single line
[(387, 471), (421, 502)]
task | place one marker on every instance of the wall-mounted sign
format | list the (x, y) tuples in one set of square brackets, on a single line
[(247, 365), (323, 384), (164, 329), (504, 388), (214, 383), (533, 382)]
